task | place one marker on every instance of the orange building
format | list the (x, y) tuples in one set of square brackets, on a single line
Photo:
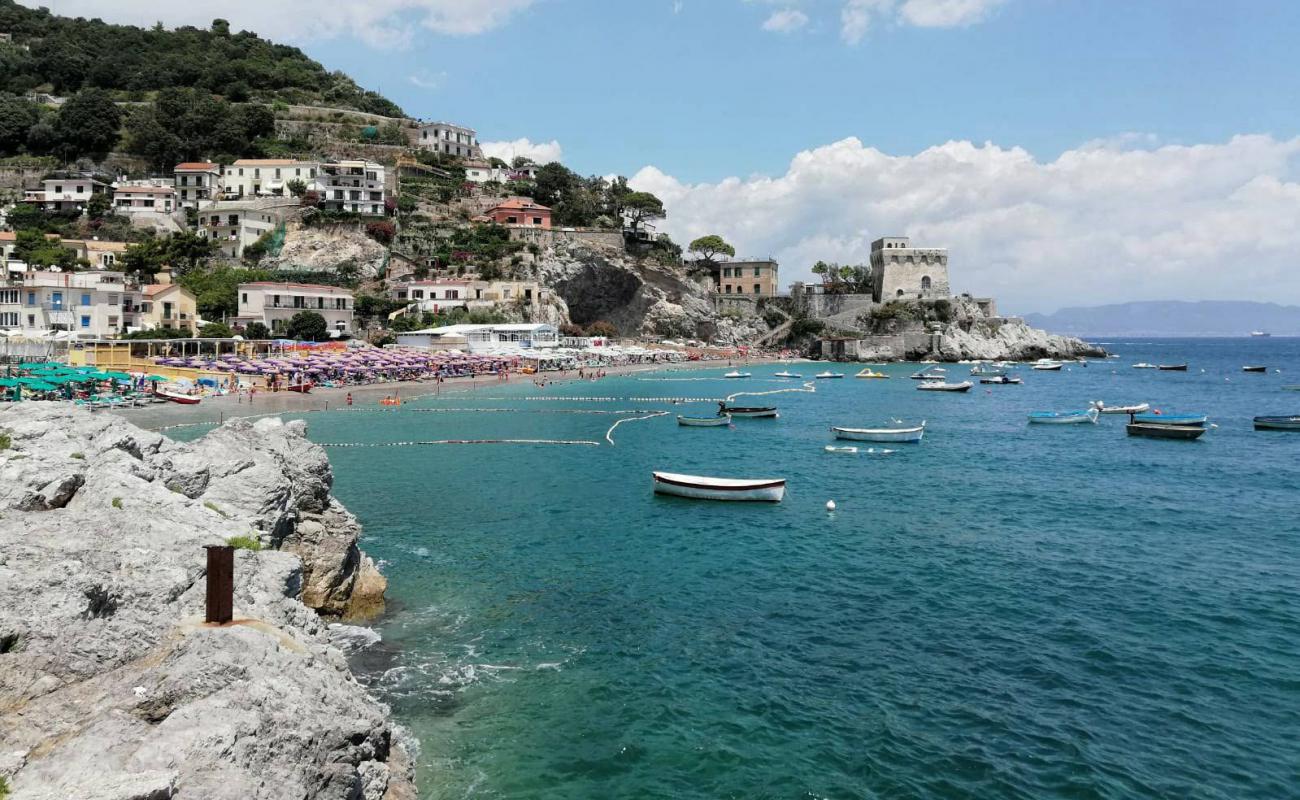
[(520, 211)]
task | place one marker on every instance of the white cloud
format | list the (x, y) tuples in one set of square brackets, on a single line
[(379, 23), (858, 16), (428, 80), (539, 152), (1101, 223), (785, 20)]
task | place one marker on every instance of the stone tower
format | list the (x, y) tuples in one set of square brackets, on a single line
[(899, 270)]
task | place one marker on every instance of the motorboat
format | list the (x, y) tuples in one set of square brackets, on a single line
[(1048, 366), (1133, 409), (868, 373), (1156, 418), (1064, 417), (1164, 431), (1260, 333), (1172, 367), (1277, 423), (784, 374), (698, 487), (736, 374), (720, 421), (176, 397), (900, 433), (822, 376), (1254, 368), (933, 374), (747, 411), (986, 371), (1002, 379), (1144, 365), (851, 451), (940, 386)]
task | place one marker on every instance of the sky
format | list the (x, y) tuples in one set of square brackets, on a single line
[(1067, 152)]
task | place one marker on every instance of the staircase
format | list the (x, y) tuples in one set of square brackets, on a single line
[(778, 332)]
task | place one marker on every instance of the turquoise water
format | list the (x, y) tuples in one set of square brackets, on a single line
[(1002, 611)]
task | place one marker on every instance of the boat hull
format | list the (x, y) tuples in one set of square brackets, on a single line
[(1001, 380), (1172, 367), (182, 399), (1193, 420), (880, 434), (1184, 432), (1255, 369), (704, 422), (1277, 423), (1064, 418), (301, 388), (946, 387), (828, 376), (750, 413), (697, 487), (1048, 367), (1138, 409), (868, 374)]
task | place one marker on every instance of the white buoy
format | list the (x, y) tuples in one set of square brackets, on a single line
[(830, 505)]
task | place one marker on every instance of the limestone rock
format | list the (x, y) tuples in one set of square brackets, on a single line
[(327, 248)]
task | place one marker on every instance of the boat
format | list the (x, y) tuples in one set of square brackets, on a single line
[(1172, 367), (1254, 368), (784, 374), (940, 386), (1048, 366), (898, 434), (1002, 379), (868, 373), (1277, 423), (989, 371), (176, 397), (736, 374), (720, 421), (1156, 418), (1133, 409), (301, 388), (770, 490), (1064, 417), (747, 411), (1260, 333), (841, 450), (1291, 387), (934, 374), (822, 376), (1164, 431), (1144, 365)]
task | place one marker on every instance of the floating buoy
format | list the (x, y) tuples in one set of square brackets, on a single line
[(830, 505)]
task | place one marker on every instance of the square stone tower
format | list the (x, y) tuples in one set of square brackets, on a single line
[(899, 270)]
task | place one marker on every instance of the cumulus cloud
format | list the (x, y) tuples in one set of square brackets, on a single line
[(858, 16), (379, 23), (1105, 222), (539, 152), (785, 20)]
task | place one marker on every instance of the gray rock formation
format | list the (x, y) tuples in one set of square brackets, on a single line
[(111, 686), (328, 248)]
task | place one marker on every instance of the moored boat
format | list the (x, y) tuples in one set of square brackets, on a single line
[(868, 373), (931, 374), (1164, 431), (1002, 379), (1172, 367), (841, 450), (176, 397), (784, 374), (1063, 417), (1156, 418), (1254, 368), (1044, 365), (986, 370), (747, 411), (1144, 365), (736, 374), (720, 421), (900, 433), (828, 375), (301, 388), (1133, 409), (940, 386), (698, 487), (1277, 423)]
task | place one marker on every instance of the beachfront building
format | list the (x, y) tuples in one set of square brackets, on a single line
[(144, 199), (355, 186), (520, 211), (70, 193), (496, 337), (234, 225), (273, 304), (751, 277), (89, 305), (263, 177), (449, 139), (168, 305), (900, 270), (196, 182), (448, 293)]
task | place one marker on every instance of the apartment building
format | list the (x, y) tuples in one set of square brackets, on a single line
[(483, 172), (274, 304), (449, 293), (449, 139), (520, 211), (144, 198), (234, 225), (69, 193), (168, 305), (93, 305), (196, 182), (355, 186), (258, 177), (756, 278)]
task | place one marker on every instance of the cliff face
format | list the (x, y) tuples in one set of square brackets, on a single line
[(111, 686), (327, 248)]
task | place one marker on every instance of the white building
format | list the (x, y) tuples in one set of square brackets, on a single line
[(258, 177), (449, 139), (482, 338), (196, 182), (484, 172), (448, 293), (70, 193), (356, 186), (92, 305), (234, 225), (274, 304), (138, 199)]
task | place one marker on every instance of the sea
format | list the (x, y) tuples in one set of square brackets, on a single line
[(1001, 611)]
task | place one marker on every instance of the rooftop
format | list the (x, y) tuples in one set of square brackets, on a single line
[(308, 286), (267, 162), (145, 190), (520, 204), (195, 166)]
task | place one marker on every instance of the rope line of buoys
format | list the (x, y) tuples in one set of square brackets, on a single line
[(461, 441), (808, 387), (609, 434), (505, 410)]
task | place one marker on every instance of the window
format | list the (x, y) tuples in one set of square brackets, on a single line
[(81, 188), (537, 220), (512, 220), (245, 298), (85, 299), (728, 288), (740, 289), (56, 301), (85, 320), (757, 289), (232, 219), (757, 271), (31, 298), (925, 281), (58, 190), (277, 172)]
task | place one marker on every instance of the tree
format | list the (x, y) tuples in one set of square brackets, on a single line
[(520, 162), (17, 116), (144, 259), (296, 187), (87, 125), (310, 198), (256, 331), (821, 268), (708, 248), (602, 328), (215, 330), (641, 207), (307, 326), (188, 249), (99, 205), (498, 163)]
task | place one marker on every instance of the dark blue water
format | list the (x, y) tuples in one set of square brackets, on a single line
[(1002, 611)]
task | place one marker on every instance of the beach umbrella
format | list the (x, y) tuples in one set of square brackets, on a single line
[(115, 376), (156, 379), (10, 382), (41, 386)]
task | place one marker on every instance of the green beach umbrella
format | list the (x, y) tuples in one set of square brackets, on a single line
[(117, 376), (156, 379), (41, 386), (7, 382)]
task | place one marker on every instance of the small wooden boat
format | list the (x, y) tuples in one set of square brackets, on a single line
[(940, 386), (822, 376), (1063, 417), (1169, 419), (1002, 379), (1144, 365), (784, 374), (301, 388), (749, 411), (1277, 423), (770, 490), (897, 434), (868, 373), (736, 374), (1134, 409), (1172, 367), (1164, 431), (851, 451), (176, 397), (704, 422), (1254, 368), (1048, 366), (933, 374)]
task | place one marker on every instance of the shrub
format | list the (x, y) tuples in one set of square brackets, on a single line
[(807, 326), (244, 543), (211, 506), (382, 232), (6, 441), (117, 502), (79, 456), (602, 328)]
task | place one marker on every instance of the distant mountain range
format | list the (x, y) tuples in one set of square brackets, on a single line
[(1172, 318)]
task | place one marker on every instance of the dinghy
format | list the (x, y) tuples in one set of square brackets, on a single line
[(1172, 367), (1134, 409), (1156, 418), (1063, 417), (940, 386), (1254, 368), (301, 388), (1144, 365), (747, 411), (841, 450), (933, 374), (736, 374), (784, 374), (770, 490), (1164, 431), (175, 397), (822, 376), (900, 433), (868, 373), (721, 421), (1002, 379), (1277, 423)]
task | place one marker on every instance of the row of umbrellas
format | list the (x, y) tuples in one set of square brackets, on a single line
[(50, 376), (361, 363)]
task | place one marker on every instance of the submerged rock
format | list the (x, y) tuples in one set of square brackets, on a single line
[(111, 686)]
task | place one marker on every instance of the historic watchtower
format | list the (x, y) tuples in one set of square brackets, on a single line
[(899, 270)]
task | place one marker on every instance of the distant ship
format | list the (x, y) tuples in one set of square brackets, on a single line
[(1260, 333)]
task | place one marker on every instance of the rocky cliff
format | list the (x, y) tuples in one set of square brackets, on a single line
[(329, 248), (111, 686)]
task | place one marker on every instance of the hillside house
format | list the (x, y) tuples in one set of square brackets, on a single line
[(70, 193), (91, 305), (168, 305), (265, 177), (520, 211), (137, 199), (355, 186), (449, 139), (196, 182)]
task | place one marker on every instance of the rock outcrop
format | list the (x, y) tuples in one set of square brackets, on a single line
[(329, 248), (111, 686)]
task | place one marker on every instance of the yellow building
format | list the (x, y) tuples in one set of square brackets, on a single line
[(169, 305)]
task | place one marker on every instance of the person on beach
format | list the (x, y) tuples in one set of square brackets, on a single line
[(349, 398)]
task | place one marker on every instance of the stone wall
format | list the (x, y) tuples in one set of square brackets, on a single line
[(908, 279), (550, 237), (827, 305)]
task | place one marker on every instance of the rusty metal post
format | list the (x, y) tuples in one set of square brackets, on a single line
[(221, 583)]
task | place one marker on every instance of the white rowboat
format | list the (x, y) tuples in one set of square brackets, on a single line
[(704, 422), (880, 434), (770, 490), (1134, 409), (849, 451)]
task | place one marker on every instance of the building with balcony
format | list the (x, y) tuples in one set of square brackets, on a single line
[(449, 139), (70, 193), (168, 305), (196, 182), (442, 295), (520, 211), (145, 198), (234, 225), (483, 172), (354, 186), (274, 304), (265, 177), (753, 278), (91, 305)]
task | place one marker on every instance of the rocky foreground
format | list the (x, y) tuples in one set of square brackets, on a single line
[(111, 685)]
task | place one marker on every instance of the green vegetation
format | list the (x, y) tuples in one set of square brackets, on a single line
[(117, 502), (216, 290), (806, 326), (4, 786), (66, 55), (708, 248), (244, 543), (844, 279), (183, 251), (256, 331), (211, 506), (6, 441), (158, 333), (78, 456), (185, 124), (307, 326), (642, 207), (215, 330), (602, 328)]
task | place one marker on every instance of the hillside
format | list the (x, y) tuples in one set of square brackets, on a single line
[(62, 55), (1172, 318)]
